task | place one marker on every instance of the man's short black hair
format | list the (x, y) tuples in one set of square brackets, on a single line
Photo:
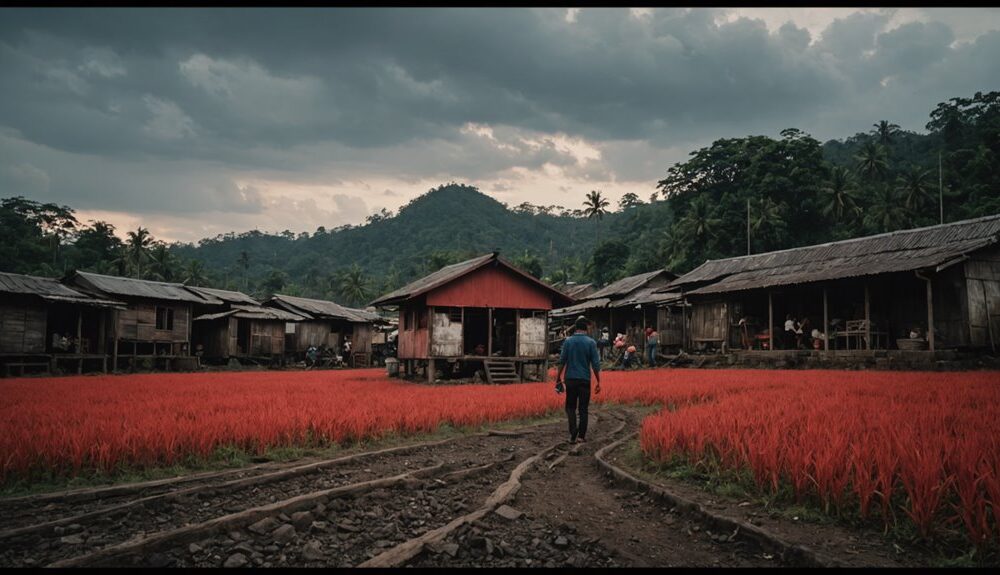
[(581, 324)]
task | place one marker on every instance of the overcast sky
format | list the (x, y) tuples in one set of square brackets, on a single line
[(193, 122)]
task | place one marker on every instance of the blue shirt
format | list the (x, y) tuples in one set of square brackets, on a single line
[(579, 355)]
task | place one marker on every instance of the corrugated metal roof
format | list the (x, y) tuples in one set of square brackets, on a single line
[(452, 272), (900, 251), (321, 309), (119, 286), (626, 285), (646, 296), (224, 295), (578, 291), (580, 307), (253, 312), (49, 289)]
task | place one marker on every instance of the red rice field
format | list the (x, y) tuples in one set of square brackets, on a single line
[(917, 447)]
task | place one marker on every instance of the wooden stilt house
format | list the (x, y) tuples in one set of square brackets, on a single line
[(325, 323), (480, 313), (238, 327), (155, 327), (627, 306), (34, 309), (940, 283)]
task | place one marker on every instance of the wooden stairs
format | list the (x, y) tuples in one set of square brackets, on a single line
[(501, 372)]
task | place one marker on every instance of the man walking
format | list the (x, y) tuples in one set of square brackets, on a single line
[(579, 355)]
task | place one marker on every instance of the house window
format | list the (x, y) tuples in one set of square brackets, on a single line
[(411, 320), (289, 327), (165, 318), (455, 314), (422, 321)]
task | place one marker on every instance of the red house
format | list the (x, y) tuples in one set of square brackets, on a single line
[(482, 312)]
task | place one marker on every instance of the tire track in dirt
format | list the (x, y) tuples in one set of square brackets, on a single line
[(176, 510), (570, 515)]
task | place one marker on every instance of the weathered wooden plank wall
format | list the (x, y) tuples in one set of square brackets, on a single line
[(708, 321), (22, 328), (138, 322), (982, 273)]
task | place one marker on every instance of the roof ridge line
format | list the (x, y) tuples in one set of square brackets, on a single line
[(849, 240)]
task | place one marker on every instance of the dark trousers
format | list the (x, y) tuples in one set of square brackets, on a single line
[(577, 397)]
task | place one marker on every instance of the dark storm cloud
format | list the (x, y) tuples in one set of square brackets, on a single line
[(325, 94)]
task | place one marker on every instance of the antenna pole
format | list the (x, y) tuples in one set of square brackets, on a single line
[(748, 226), (940, 188)]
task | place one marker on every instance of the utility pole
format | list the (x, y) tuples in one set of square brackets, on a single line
[(940, 188), (748, 226)]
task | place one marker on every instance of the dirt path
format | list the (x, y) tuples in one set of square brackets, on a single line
[(518, 498)]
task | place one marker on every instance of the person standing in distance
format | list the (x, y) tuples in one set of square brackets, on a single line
[(579, 355)]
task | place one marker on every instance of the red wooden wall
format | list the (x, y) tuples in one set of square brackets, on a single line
[(491, 287), (413, 343)]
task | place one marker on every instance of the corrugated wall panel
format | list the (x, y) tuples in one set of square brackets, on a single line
[(491, 287)]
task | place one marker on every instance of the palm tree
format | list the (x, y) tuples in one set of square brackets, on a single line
[(354, 285), (872, 162), (915, 187), (672, 246), (886, 212), (884, 132), (595, 206), (163, 264), (698, 223), (840, 195), (119, 263), (137, 248), (768, 220), (194, 273)]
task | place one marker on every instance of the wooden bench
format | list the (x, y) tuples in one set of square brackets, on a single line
[(24, 364)]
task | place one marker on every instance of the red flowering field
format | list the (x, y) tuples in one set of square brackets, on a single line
[(927, 444)]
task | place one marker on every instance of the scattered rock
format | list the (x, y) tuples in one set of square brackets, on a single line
[(264, 526), (343, 526), (561, 542), (71, 540), (508, 512), (284, 534), (318, 526), (74, 528), (244, 548), (194, 548), (302, 519), (670, 520), (236, 560), (312, 551)]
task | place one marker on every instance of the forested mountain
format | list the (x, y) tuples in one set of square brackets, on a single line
[(800, 192), (445, 225)]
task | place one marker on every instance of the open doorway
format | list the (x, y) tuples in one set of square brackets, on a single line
[(505, 332), (243, 336), (475, 331)]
